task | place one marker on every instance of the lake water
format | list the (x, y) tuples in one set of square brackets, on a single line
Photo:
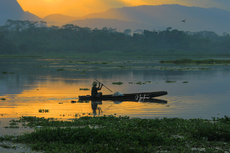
[(46, 87)]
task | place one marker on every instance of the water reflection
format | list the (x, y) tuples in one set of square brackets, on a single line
[(96, 109), (37, 85)]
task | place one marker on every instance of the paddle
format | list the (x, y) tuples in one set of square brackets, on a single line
[(103, 85)]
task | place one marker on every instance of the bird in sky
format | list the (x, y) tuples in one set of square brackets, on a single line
[(183, 20)]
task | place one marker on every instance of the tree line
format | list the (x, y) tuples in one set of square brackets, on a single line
[(18, 36)]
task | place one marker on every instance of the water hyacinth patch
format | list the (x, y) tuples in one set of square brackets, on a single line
[(4, 72), (60, 69), (84, 89), (117, 83), (170, 81), (191, 61), (124, 134), (140, 83), (43, 111)]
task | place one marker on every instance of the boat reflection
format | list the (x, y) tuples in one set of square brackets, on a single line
[(98, 110), (159, 101)]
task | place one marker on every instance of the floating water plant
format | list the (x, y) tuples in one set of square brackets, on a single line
[(140, 83), (117, 83), (185, 82), (12, 126), (3, 98), (190, 61), (83, 101), (104, 62), (13, 123), (4, 72), (84, 89), (6, 146), (60, 69), (43, 111), (202, 68), (122, 67), (83, 72), (170, 81)]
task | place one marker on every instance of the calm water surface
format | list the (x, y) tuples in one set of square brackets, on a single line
[(30, 85)]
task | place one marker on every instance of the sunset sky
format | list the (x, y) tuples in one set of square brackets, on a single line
[(77, 8)]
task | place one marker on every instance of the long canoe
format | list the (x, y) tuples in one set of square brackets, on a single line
[(142, 96)]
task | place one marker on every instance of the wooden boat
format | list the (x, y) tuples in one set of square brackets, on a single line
[(143, 96)]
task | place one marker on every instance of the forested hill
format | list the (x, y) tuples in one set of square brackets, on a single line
[(35, 37)]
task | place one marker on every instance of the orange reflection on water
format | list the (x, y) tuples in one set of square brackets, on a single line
[(53, 99)]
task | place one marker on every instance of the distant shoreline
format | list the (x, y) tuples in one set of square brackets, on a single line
[(119, 55)]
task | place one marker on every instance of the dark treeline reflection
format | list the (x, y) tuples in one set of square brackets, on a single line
[(36, 37)]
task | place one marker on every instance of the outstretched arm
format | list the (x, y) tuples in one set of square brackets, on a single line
[(100, 86)]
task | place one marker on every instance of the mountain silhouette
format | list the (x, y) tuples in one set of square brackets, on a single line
[(58, 19), (197, 19), (148, 17), (10, 9)]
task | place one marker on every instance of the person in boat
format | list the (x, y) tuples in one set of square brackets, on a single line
[(94, 91)]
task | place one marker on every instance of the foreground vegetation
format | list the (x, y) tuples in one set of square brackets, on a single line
[(122, 134)]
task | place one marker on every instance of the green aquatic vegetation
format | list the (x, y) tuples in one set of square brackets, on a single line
[(12, 127), (42, 66), (83, 101), (60, 69), (83, 71), (201, 68), (180, 68), (122, 67), (185, 82), (117, 83), (4, 72), (105, 62), (3, 98), (190, 61), (170, 81), (7, 138), (91, 62), (225, 119), (13, 123), (43, 111), (84, 89), (5, 146), (124, 134), (140, 83)]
